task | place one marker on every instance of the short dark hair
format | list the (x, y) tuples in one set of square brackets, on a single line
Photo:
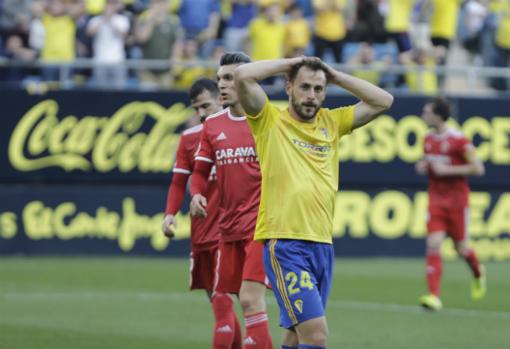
[(234, 58), (201, 85), (311, 63), (441, 106)]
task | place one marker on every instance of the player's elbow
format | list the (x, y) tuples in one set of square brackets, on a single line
[(386, 101)]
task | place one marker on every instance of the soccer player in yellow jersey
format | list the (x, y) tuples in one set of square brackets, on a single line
[(298, 153)]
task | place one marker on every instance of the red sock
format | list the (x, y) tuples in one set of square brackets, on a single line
[(472, 261), (257, 332), (238, 335), (434, 271), (224, 321)]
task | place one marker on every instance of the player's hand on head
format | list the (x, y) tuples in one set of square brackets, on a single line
[(198, 205), (169, 226)]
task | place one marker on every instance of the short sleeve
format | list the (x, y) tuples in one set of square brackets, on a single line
[(344, 118), (182, 162), (204, 151), (264, 120)]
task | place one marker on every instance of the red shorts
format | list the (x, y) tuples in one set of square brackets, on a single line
[(451, 220), (202, 268), (238, 261)]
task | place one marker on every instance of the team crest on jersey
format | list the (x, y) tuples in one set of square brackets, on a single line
[(298, 303), (324, 132)]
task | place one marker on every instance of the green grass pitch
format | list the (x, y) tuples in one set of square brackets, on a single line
[(125, 303)]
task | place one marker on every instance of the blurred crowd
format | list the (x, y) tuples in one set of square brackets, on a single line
[(367, 34)]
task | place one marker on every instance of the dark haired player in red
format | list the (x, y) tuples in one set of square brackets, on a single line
[(204, 95), (449, 158), (227, 143)]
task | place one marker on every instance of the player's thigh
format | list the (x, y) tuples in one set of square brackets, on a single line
[(458, 221), (230, 267), (437, 225), (325, 261), (253, 266), (313, 331), (202, 268), (294, 283), (251, 297)]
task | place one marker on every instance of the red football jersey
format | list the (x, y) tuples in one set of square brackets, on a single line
[(228, 142), (204, 231), (449, 148)]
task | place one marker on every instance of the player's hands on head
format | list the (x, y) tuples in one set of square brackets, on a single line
[(169, 226), (198, 205)]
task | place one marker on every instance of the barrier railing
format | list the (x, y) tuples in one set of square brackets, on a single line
[(464, 80)]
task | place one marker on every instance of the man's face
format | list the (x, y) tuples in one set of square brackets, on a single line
[(307, 92), (205, 104), (225, 76), (428, 115)]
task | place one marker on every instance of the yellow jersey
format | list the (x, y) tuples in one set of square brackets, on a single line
[(443, 23), (398, 18), (59, 39), (329, 25), (423, 81), (299, 167), (267, 39), (503, 28)]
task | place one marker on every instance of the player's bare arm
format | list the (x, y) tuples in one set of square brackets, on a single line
[(169, 225), (422, 167), (198, 204), (473, 167), (373, 100), (251, 94)]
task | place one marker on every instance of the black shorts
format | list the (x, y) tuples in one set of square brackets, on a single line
[(440, 42)]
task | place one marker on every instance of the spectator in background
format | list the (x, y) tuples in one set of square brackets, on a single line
[(159, 34), (330, 29), (502, 43), (200, 20), (36, 32), (184, 75), (422, 79), (307, 7), (475, 14), (16, 50), (369, 69), (109, 31), (297, 33), (397, 23), (369, 25), (236, 32), (60, 37), (267, 34), (443, 26), (15, 18)]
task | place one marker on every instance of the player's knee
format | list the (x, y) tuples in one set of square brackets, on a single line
[(461, 248), (317, 338), (434, 243), (252, 303), (290, 339)]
